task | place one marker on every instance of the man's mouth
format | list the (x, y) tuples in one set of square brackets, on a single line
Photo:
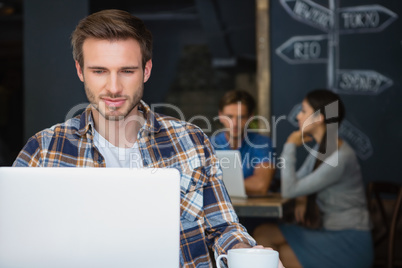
[(114, 102)]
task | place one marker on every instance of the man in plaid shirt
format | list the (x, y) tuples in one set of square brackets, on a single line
[(113, 56)]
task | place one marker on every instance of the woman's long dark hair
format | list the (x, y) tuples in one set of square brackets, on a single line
[(331, 107)]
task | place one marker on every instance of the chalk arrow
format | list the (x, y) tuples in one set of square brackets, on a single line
[(310, 13), (304, 49), (357, 139), (363, 19), (363, 82)]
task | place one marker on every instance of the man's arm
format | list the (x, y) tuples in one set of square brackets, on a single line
[(222, 226), (223, 230), (259, 182), (29, 156)]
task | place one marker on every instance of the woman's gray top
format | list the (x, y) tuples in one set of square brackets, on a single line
[(337, 182)]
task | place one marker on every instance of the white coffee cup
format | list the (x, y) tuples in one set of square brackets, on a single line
[(250, 257)]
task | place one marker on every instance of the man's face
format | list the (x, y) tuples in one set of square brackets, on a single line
[(234, 118), (113, 76)]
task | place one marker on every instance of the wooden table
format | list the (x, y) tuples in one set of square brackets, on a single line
[(271, 206)]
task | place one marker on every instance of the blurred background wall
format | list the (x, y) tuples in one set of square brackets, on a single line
[(203, 48)]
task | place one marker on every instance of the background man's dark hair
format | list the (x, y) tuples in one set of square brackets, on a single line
[(235, 96)]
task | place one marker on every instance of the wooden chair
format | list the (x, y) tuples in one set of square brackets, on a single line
[(375, 191), (392, 230)]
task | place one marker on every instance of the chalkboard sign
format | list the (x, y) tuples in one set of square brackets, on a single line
[(354, 49)]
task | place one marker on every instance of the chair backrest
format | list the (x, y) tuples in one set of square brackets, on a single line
[(379, 197)]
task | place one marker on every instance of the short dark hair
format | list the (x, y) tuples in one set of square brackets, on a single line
[(235, 96), (111, 24)]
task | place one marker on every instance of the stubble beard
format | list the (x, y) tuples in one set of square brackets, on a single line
[(95, 103)]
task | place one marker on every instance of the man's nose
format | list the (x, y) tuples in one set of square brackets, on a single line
[(114, 84), (235, 121)]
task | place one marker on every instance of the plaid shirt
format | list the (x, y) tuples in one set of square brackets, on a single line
[(207, 216)]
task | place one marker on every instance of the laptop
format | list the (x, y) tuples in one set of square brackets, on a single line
[(89, 217), (231, 164)]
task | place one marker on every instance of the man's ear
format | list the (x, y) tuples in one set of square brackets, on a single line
[(79, 71), (147, 70)]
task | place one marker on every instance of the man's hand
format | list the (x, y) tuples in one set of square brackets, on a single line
[(243, 245)]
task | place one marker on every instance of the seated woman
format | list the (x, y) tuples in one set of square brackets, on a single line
[(332, 176)]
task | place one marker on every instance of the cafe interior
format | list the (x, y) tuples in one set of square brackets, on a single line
[(204, 48)]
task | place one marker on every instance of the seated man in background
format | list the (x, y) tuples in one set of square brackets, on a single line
[(236, 109)]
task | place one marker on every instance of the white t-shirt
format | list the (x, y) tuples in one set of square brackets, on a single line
[(117, 156)]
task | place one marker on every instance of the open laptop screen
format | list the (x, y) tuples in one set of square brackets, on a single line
[(89, 217), (231, 164)]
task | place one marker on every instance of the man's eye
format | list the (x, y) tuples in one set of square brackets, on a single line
[(98, 71), (128, 71)]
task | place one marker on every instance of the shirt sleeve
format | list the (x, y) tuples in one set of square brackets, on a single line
[(223, 228), (262, 151), (325, 175), (29, 156)]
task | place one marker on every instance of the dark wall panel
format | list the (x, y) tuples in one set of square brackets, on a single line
[(52, 87)]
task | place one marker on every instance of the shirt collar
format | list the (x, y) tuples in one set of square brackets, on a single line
[(152, 124), (86, 121)]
